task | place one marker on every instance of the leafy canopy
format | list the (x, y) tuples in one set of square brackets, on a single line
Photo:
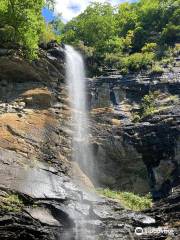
[(106, 33), (22, 24), (22, 21), (146, 27)]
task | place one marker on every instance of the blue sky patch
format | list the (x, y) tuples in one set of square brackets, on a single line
[(47, 14)]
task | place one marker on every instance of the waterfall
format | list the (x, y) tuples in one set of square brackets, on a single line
[(75, 75), (82, 153)]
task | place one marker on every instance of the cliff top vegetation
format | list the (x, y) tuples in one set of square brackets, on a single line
[(130, 36)]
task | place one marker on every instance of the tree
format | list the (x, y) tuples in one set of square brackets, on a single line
[(94, 26), (25, 20), (129, 36), (57, 24), (127, 29), (170, 34), (171, 29), (47, 34), (126, 18)]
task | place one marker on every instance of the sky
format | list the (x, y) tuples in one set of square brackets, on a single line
[(72, 8)]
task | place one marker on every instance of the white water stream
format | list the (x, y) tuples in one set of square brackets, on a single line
[(75, 74), (82, 152)]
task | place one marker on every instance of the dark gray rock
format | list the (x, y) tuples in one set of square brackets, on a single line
[(138, 157), (4, 52)]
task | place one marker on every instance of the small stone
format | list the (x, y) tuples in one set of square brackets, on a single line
[(9, 108), (3, 105), (22, 104)]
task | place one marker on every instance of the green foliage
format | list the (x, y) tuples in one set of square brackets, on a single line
[(120, 36), (57, 24), (88, 51), (136, 117), (47, 33), (114, 59), (94, 27), (128, 200), (7, 33), (138, 61), (133, 62), (128, 42), (11, 203), (154, 103), (22, 20), (126, 18), (149, 47), (157, 69), (117, 36), (148, 105), (170, 34)]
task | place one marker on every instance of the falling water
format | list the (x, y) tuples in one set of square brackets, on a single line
[(75, 73), (82, 154)]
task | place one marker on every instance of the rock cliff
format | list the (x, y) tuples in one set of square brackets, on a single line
[(38, 197), (143, 155)]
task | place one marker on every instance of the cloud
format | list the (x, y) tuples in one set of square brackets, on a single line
[(71, 8)]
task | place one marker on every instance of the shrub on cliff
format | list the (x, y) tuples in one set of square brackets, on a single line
[(157, 69), (128, 200), (11, 203), (138, 61)]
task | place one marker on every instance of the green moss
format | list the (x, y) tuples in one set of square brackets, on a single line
[(173, 99), (128, 199), (11, 203), (136, 117), (157, 69), (150, 106), (147, 107), (148, 103)]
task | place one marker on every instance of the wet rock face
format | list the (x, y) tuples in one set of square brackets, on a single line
[(119, 164), (54, 208), (138, 157), (158, 146)]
